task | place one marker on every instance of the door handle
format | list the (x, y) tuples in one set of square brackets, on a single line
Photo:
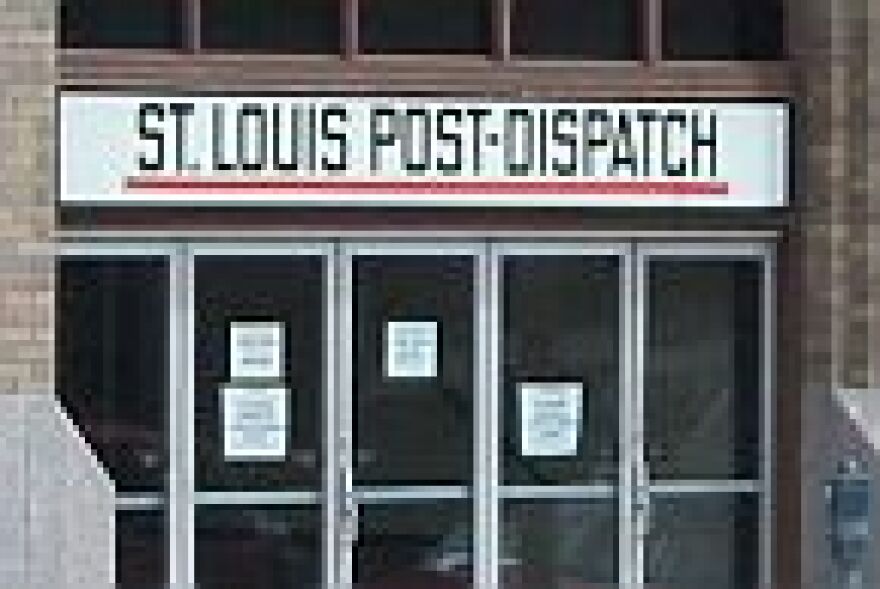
[(351, 519)]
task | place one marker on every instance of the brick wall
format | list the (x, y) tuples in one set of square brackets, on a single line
[(26, 192)]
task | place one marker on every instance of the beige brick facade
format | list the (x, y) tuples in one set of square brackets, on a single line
[(829, 290)]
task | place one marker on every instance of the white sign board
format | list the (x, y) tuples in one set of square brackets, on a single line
[(411, 349), (550, 414), (406, 151), (256, 349), (254, 423)]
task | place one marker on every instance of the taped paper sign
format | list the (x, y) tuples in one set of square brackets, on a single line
[(411, 349), (256, 349), (254, 423), (550, 414)]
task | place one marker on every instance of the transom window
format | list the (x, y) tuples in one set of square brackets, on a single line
[(587, 30)]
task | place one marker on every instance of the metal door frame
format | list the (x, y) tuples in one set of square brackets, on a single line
[(487, 251)]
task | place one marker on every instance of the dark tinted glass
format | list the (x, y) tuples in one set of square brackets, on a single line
[(561, 324), (559, 544), (703, 541), (425, 26), (414, 430), (124, 24), (723, 29), (575, 29), (111, 363), (414, 546), (703, 370), (140, 550), (294, 26), (249, 288), (258, 548)]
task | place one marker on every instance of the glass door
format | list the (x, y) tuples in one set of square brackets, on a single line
[(562, 394), (703, 483), (258, 319), (408, 395)]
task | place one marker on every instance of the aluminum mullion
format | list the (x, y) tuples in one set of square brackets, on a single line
[(330, 503), (139, 502), (345, 423), (628, 453), (257, 498), (639, 524), (493, 409), (767, 368), (670, 487), (484, 482), (181, 515)]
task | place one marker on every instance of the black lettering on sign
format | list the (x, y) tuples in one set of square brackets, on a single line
[(149, 133), (245, 137), (703, 140), (678, 117), (339, 137), (416, 160), (448, 136), (288, 135), (477, 116), (568, 139), (646, 117), (181, 111), (592, 141), (380, 139), (514, 119), (218, 139), (622, 151)]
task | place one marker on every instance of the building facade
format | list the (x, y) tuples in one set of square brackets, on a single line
[(574, 372)]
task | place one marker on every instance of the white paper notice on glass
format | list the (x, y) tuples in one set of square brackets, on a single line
[(254, 423), (411, 349), (550, 414), (256, 349)]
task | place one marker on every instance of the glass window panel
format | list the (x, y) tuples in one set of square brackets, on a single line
[(248, 288), (414, 430), (561, 324), (723, 29), (414, 546), (111, 363), (258, 548), (300, 26), (703, 541), (141, 550), (703, 369), (575, 29), (426, 26), (149, 24), (559, 544)]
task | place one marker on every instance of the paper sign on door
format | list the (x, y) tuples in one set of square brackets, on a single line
[(411, 349), (254, 423), (550, 414), (256, 349)]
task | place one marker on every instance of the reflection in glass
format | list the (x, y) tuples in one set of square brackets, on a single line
[(414, 429), (575, 29), (703, 369), (258, 548), (426, 26), (559, 544), (414, 546), (723, 29), (111, 363), (251, 288), (703, 541), (561, 324), (140, 550)]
